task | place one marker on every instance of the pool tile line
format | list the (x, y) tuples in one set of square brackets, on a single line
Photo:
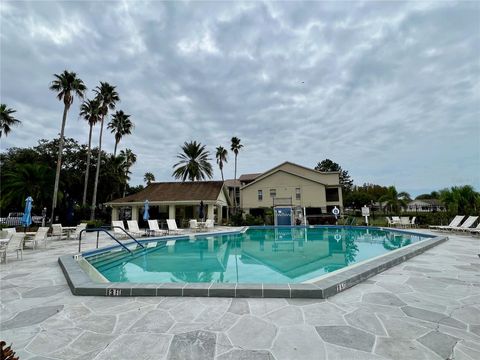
[(81, 284)]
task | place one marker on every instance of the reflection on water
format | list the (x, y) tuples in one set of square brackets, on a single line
[(275, 255)]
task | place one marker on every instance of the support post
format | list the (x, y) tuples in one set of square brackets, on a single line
[(171, 212), (210, 212)]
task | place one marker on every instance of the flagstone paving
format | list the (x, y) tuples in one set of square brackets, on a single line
[(425, 308)]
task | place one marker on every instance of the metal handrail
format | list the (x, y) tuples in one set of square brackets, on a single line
[(105, 230)]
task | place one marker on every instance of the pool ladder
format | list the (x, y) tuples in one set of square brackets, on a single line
[(106, 230)]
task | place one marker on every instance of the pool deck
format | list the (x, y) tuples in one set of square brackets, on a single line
[(425, 308)]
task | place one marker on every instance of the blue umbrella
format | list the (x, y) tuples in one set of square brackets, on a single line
[(146, 215), (27, 214)]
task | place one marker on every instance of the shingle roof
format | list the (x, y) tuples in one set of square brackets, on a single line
[(176, 191), (249, 177), (232, 183)]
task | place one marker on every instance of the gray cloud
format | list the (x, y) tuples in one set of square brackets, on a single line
[(390, 90)]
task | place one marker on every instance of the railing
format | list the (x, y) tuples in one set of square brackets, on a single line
[(106, 229)]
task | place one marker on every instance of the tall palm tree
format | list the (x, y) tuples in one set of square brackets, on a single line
[(108, 98), (120, 125), (235, 147), (7, 120), (66, 85), (194, 163), (129, 158), (90, 111), (148, 178), (221, 156)]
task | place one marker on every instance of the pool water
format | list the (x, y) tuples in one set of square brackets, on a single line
[(259, 255)]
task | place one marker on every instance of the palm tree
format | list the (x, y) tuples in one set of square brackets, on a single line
[(66, 85), (90, 110), (236, 146), (7, 119), (148, 178), (120, 125), (221, 156), (107, 97), (194, 163), (129, 158), (395, 199)]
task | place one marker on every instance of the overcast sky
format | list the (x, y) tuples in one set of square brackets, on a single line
[(389, 90)]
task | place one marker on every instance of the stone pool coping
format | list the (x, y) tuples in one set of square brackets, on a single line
[(81, 284)]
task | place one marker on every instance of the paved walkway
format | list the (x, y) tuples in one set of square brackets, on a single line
[(425, 308)]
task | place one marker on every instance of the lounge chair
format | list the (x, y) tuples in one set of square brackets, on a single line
[(79, 228), (133, 228), (405, 221), (57, 231), (154, 228), (209, 224), (466, 224), (389, 221), (193, 224), (116, 224), (396, 220), (172, 227), (40, 235), (475, 230), (454, 223), (413, 222), (15, 244)]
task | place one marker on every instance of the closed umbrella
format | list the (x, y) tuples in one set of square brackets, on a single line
[(27, 214), (201, 211), (146, 215)]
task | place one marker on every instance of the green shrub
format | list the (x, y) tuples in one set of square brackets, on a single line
[(251, 220), (91, 224)]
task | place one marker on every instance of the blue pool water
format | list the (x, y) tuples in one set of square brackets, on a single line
[(260, 255)]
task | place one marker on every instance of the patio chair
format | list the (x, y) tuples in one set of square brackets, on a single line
[(57, 231), (40, 235), (413, 222), (14, 244), (209, 224), (172, 227), (154, 228), (389, 221), (193, 224), (133, 228), (475, 230), (116, 224), (396, 220), (454, 223), (466, 224), (79, 228), (404, 221)]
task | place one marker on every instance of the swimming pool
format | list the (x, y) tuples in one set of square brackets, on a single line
[(272, 255)]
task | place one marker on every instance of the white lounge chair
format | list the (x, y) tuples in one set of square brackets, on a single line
[(454, 223), (116, 231), (389, 221), (172, 227), (154, 228), (466, 224), (14, 244), (79, 228), (405, 221), (209, 224), (133, 228), (396, 220), (475, 230), (193, 224), (57, 231), (413, 222), (40, 235)]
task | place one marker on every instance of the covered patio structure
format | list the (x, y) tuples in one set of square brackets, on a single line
[(174, 200)]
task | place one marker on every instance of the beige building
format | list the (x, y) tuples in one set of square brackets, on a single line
[(289, 184)]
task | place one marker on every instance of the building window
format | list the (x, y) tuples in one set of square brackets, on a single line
[(298, 194), (260, 195), (273, 193), (332, 194)]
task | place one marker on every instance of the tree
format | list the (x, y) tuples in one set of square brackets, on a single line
[(235, 147), (120, 125), (432, 195), (108, 97), (194, 163), (7, 120), (461, 200), (328, 165), (90, 111), (395, 200), (129, 158), (148, 178), (66, 85), (221, 156)]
